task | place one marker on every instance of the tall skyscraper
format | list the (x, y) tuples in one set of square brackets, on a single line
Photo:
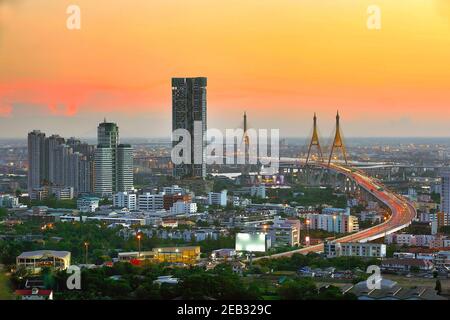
[(103, 171), (108, 137), (189, 106), (36, 159), (61, 175), (445, 197), (113, 162), (51, 143), (86, 174), (124, 167)]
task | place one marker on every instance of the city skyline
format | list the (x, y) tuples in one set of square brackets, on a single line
[(257, 151), (382, 86)]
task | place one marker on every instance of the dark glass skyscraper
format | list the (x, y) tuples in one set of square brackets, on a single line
[(189, 106)]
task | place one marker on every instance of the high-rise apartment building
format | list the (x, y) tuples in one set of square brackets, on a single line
[(83, 148), (103, 171), (188, 110), (107, 140), (36, 159), (57, 163), (124, 167), (61, 175), (113, 161), (445, 197), (51, 143), (85, 175)]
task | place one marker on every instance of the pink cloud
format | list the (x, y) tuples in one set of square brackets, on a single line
[(70, 99), (62, 110), (5, 111)]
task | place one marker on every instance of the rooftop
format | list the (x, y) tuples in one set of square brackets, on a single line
[(42, 253)]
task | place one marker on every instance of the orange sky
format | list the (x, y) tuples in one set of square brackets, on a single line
[(280, 60)]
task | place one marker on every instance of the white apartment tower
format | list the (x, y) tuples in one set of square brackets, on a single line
[(445, 191), (124, 167), (103, 171), (113, 161)]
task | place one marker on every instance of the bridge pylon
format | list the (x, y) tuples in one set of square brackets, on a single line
[(315, 142), (338, 142)]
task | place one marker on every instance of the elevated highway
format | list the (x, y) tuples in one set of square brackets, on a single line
[(402, 211)]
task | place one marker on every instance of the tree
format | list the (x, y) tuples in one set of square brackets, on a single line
[(414, 269), (445, 230), (18, 193), (438, 287), (147, 292), (3, 212), (302, 289), (334, 293)]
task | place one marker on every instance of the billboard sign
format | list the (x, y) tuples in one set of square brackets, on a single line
[(253, 242)]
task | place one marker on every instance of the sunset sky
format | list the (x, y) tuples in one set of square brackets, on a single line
[(280, 60)]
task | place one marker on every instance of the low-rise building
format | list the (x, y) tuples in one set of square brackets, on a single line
[(167, 280), (125, 200), (171, 199), (282, 232), (88, 204), (405, 265), (172, 190), (9, 201), (36, 260), (390, 290), (118, 219), (39, 210), (39, 194), (419, 240), (63, 193), (354, 249), (151, 202), (184, 255), (404, 255), (338, 223), (223, 253), (169, 223), (34, 294), (218, 198), (442, 260), (371, 216), (183, 207), (338, 211)]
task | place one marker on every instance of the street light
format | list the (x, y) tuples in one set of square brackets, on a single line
[(334, 226), (86, 246), (139, 244), (307, 231)]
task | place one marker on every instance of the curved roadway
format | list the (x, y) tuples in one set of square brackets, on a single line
[(402, 212)]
